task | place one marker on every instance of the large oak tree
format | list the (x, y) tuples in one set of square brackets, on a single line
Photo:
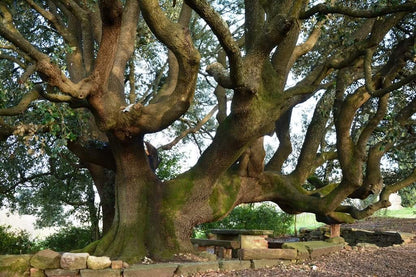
[(359, 58)]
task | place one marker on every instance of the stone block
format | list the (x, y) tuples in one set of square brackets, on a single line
[(267, 254), (36, 272), (46, 259), (100, 273), (233, 244), (191, 268), (302, 251), (253, 241), (313, 249), (59, 272), (321, 248), (94, 262), (14, 265), (152, 270), (116, 264), (74, 260), (234, 265)]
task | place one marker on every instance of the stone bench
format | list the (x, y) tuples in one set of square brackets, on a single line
[(224, 249), (228, 244), (249, 239)]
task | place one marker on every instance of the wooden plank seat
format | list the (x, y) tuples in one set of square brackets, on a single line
[(228, 244)]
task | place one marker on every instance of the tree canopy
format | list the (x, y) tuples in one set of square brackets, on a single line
[(100, 77)]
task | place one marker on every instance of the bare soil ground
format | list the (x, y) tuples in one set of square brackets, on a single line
[(394, 261)]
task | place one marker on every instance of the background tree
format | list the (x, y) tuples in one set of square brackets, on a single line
[(249, 217), (359, 56), (15, 242)]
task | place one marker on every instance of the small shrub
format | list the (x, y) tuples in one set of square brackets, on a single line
[(15, 242), (249, 216), (68, 239)]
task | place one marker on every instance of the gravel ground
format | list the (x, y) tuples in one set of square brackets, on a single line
[(394, 261)]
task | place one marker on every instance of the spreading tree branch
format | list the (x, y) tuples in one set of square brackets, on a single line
[(285, 145), (221, 30), (197, 127), (307, 46), (314, 135), (369, 85), (48, 71), (369, 13), (24, 102), (383, 201), (53, 20), (394, 86), (12, 59), (177, 38), (127, 37), (101, 155)]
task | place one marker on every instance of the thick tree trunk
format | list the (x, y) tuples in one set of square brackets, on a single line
[(141, 225), (126, 236), (104, 182)]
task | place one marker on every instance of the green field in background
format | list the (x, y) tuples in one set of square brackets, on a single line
[(307, 220)]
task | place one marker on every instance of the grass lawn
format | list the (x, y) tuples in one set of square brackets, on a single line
[(307, 220), (402, 213)]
